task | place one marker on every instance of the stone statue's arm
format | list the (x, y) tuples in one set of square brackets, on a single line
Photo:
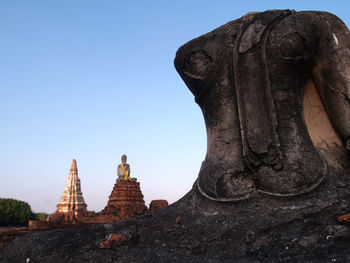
[(331, 73)]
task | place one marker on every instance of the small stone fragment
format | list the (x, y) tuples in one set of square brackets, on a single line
[(345, 219), (114, 241)]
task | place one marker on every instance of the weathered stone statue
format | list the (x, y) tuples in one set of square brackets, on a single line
[(248, 77), (276, 174), (124, 170)]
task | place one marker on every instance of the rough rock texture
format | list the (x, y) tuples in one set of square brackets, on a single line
[(298, 229), (7, 234), (248, 77), (126, 200), (72, 205), (265, 192), (156, 204)]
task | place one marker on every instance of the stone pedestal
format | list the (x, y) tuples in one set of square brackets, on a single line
[(126, 200)]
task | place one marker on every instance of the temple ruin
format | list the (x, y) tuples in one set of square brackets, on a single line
[(271, 188), (71, 206)]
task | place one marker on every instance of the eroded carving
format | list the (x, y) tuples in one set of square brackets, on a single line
[(252, 92)]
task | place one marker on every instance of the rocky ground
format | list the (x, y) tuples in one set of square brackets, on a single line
[(7, 234), (262, 229)]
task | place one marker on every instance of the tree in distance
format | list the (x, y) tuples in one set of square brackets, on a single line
[(15, 212)]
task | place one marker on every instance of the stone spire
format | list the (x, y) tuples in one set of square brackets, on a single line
[(72, 204), (74, 166)]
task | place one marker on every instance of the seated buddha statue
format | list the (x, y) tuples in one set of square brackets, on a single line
[(124, 170)]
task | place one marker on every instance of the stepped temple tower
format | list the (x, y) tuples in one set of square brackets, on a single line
[(72, 204), (126, 199)]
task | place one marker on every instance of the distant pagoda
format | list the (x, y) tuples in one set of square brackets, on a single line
[(72, 205)]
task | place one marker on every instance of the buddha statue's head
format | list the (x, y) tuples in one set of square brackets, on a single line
[(124, 159)]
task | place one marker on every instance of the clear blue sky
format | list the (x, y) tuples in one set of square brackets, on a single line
[(92, 80)]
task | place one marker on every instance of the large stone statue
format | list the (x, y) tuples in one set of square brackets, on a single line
[(124, 170), (248, 77), (274, 88)]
